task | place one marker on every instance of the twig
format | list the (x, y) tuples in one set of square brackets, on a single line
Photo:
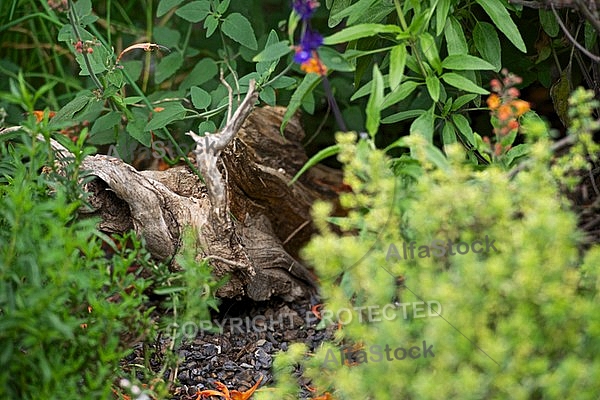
[(575, 43), (208, 150), (592, 19), (298, 229)]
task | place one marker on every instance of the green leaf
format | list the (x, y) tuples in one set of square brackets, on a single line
[(334, 12), (223, 6), (360, 31), (194, 11), (166, 36), (518, 151), (106, 122), (268, 95), (441, 15), (487, 44), (314, 160), (433, 87), (283, 82), (210, 24), (171, 112), (68, 110), (266, 68), (436, 157), (60, 326), (273, 52), (207, 127), (590, 35), (133, 68), (168, 66), (366, 88), (466, 62), (455, 37), (307, 85), (135, 128), (423, 125), (399, 94), (165, 5), (354, 11), (97, 61), (397, 64), (548, 22), (463, 126), (460, 82), (401, 116), (83, 8), (500, 16), (334, 60), (308, 103), (204, 71), (374, 104), (201, 99), (448, 134), (462, 100), (429, 48), (238, 28), (115, 77)]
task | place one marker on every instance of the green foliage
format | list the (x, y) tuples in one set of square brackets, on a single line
[(519, 322), (170, 80), (410, 74), (64, 305)]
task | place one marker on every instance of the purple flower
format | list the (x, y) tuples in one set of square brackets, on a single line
[(309, 42), (302, 55), (305, 8)]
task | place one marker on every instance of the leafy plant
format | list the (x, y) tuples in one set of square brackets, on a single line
[(517, 322), (64, 306)]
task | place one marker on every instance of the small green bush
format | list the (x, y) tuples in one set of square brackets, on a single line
[(520, 322), (64, 305)]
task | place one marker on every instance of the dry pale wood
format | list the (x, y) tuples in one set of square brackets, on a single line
[(244, 213)]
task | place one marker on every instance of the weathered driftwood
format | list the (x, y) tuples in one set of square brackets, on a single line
[(249, 222)]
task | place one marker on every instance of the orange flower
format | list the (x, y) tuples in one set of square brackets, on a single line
[(504, 112), (39, 115), (493, 101), (229, 395), (520, 106), (314, 65)]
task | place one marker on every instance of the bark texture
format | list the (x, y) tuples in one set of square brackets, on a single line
[(250, 223)]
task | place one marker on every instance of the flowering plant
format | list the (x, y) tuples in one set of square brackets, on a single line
[(505, 108)]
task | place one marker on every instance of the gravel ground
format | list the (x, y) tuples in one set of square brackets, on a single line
[(248, 336)]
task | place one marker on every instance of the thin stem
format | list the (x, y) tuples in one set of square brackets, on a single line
[(279, 75), (108, 24), (334, 106), (148, 61), (75, 24), (575, 43), (403, 24)]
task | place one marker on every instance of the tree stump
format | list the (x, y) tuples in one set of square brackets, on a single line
[(249, 222)]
